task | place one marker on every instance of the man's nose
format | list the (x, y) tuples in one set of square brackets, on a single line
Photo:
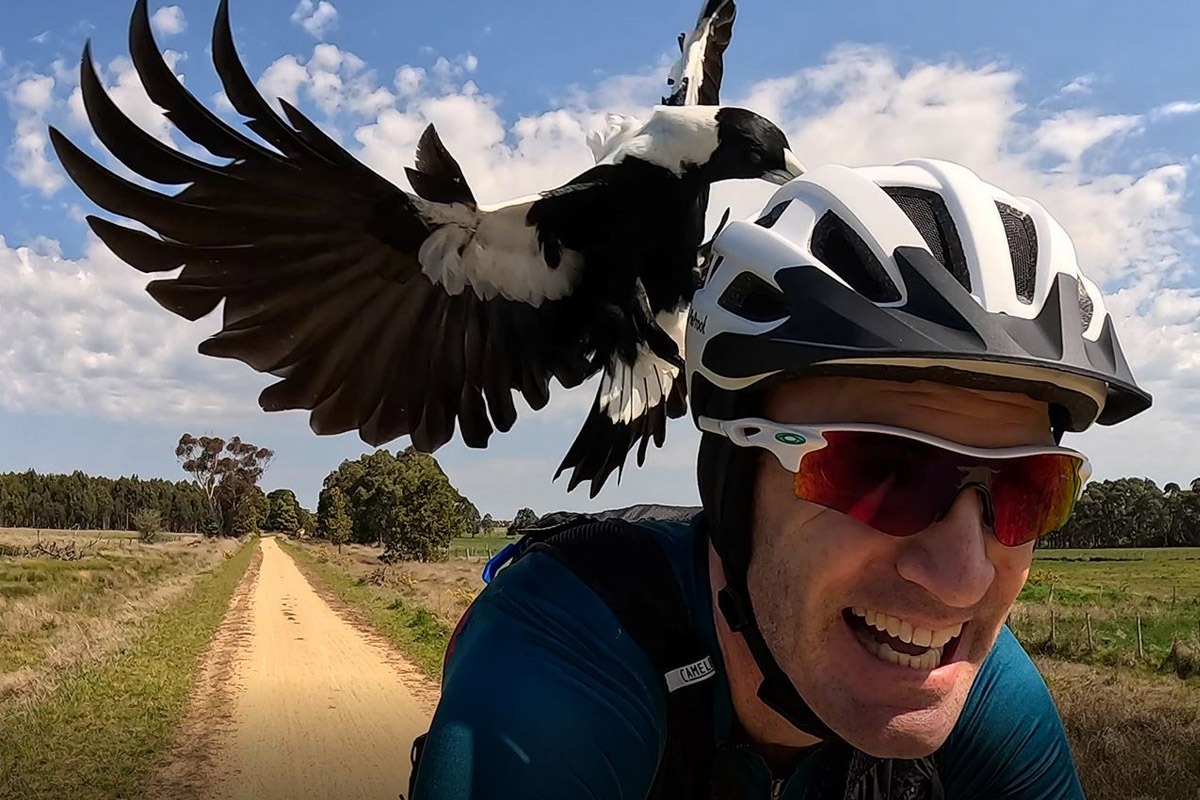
[(949, 559)]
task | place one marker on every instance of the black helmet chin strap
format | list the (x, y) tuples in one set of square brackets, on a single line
[(776, 690), (726, 474)]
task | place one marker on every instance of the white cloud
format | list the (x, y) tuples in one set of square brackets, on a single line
[(1176, 109), (316, 19), (409, 80), (336, 81), (81, 334), (858, 106), (41, 37), (168, 20), (1080, 85), (28, 102), (282, 79), (1072, 133)]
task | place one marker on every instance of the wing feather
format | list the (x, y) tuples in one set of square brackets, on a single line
[(317, 261)]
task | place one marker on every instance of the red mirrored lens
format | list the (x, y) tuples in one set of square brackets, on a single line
[(901, 486), (1034, 497)]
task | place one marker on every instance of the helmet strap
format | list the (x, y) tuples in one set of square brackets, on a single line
[(776, 690), (727, 474)]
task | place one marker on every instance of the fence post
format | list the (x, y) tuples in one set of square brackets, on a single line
[(1052, 620), (1088, 617), (1139, 631)]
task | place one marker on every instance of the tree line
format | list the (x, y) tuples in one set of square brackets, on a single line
[(405, 504), (1132, 512), (223, 497), (31, 499)]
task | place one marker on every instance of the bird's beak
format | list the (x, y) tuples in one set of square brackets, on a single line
[(792, 169)]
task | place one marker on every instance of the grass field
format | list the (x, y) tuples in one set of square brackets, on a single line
[(56, 613), (1113, 589), (478, 548), (98, 730)]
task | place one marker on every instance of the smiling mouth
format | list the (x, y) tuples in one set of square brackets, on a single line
[(897, 641)]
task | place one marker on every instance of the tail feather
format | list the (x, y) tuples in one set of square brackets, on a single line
[(631, 408)]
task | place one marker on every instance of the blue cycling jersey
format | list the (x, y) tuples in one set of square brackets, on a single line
[(545, 696)]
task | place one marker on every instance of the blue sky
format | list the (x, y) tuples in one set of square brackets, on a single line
[(1092, 109)]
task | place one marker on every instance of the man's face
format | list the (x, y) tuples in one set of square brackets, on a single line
[(813, 568)]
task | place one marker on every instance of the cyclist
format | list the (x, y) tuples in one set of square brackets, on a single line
[(883, 366)]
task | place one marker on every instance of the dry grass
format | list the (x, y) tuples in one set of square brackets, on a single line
[(56, 614), (445, 588), (103, 728), (1133, 737)]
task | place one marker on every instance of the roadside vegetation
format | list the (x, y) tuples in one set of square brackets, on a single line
[(98, 730), (68, 597)]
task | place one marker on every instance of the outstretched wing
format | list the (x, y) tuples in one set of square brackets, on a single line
[(381, 311), (695, 79)]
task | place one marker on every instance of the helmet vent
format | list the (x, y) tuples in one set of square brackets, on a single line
[(769, 219), (752, 298), (1085, 305), (1022, 248), (928, 213), (841, 249)]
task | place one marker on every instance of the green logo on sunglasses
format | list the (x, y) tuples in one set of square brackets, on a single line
[(790, 438)]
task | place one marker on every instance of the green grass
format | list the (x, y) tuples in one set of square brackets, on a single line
[(416, 631), (1114, 588), (99, 733), (478, 546)]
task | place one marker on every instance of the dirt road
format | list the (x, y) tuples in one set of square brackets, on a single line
[(296, 702)]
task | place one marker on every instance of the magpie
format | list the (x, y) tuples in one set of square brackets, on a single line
[(636, 397), (396, 313)]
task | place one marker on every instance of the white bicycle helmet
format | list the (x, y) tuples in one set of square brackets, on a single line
[(910, 271), (915, 270)]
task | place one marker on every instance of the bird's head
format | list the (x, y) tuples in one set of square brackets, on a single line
[(750, 146), (712, 143)]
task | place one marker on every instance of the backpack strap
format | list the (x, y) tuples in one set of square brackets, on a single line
[(626, 567)]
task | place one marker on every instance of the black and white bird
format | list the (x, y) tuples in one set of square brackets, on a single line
[(637, 397), (395, 313)]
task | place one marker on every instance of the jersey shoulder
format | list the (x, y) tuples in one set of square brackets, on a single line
[(1009, 741)]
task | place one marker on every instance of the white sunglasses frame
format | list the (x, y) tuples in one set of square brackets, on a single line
[(781, 440)]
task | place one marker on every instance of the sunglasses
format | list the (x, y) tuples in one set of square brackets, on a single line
[(900, 481)]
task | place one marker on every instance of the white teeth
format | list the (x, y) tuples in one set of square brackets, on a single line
[(925, 662), (945, 634), (905, 631), (888, 654)]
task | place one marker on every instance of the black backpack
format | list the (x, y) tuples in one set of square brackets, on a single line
[(626, 567)]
